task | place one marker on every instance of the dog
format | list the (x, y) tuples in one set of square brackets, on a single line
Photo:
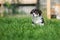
[(37, 17)]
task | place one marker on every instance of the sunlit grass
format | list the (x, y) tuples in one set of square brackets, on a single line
[(22, 29)]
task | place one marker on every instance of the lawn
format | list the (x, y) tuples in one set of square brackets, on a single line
[(22, 29)]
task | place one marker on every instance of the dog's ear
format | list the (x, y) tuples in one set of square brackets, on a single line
[(32, 11), (40, 12)]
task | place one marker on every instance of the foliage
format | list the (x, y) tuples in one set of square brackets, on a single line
[(8, 5)]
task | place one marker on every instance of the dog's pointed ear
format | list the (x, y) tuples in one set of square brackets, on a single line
[(31, 12), (40, 12)]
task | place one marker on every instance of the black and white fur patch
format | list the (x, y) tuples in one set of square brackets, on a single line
[(37, 17)]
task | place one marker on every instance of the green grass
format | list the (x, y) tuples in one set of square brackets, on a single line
[(22, 29)]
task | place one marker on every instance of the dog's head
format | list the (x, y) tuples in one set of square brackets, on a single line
[(36, 12)]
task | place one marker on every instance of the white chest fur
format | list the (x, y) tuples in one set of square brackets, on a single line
[(38, 20)]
